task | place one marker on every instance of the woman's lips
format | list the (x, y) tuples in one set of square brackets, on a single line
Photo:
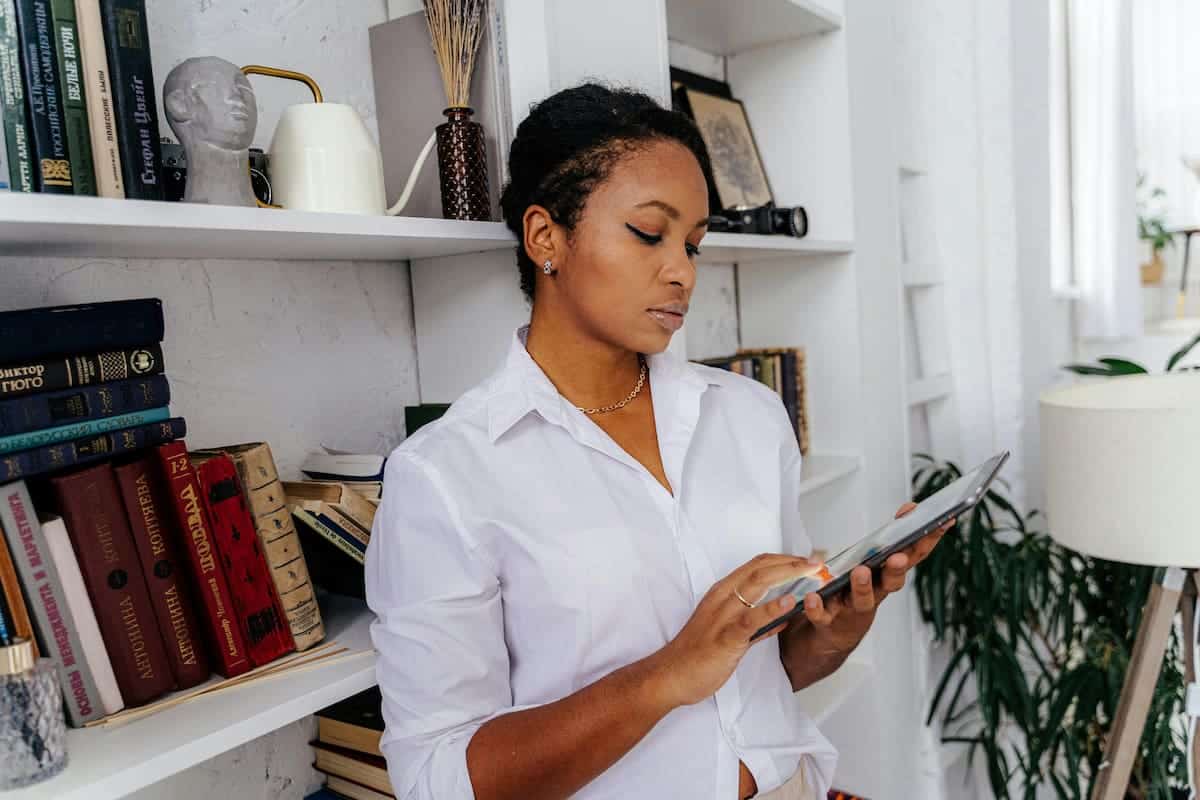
[(668, 319)]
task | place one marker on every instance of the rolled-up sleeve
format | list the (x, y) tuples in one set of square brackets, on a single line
[(442, 663)]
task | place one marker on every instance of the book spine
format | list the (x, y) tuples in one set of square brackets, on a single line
[(17, 613), (48, 602), (79, 142), (128, 42), (81, 615), (158, 541), (3, 154), (91, 508), (226, 643), (13, 114), (30, 463), (280, 542), (254, 597), (50, 409), (53, 374), (32, 333), (321, 527), (97, 91), (78, 430), (43, 97)]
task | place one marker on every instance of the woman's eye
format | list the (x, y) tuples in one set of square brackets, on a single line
[(648, 238), (692, 250)]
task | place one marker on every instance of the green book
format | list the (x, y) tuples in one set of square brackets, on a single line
[(70, 67), (12, 104)]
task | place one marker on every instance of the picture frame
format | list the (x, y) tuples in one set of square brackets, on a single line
[(740, 179)]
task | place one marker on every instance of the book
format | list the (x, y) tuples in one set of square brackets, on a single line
[(48, 603), (43, 98), (90, 505), (78, 430), (16, 612), (79, 141), (326, 496), (127, 41), (81, 617), (365, 770), (332, 532), (257, 604), (31, 333), (77, 452), (159, 546), (330, 466), (106, 158), (14, 118), (792, 363), (277, 534), (418, 416), (355, 723), (50, 409), (352, 790), (3, 154), (333, 563), (54, 373), (226, 643)]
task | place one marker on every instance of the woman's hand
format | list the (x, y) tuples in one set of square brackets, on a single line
[(698, 661), (812, 651)]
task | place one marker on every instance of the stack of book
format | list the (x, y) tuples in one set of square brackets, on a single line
[(781, 369), (335, 521), (132, 571), (347, 747), (78, 113)]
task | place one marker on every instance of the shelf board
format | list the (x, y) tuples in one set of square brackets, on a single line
[(112, 761), (822, 700), (926, 390), (56, 225), (725, 29), (744, 248), (821, 469)]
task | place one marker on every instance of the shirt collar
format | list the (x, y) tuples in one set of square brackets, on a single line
[(522, 387)]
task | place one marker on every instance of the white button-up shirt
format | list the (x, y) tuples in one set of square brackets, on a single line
[(520, 554)]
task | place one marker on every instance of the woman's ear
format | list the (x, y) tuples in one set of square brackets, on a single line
[(540, 236)]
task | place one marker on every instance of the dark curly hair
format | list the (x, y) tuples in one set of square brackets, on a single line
[(568, 145)]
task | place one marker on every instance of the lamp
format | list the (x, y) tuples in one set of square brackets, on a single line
[(1122, 458)]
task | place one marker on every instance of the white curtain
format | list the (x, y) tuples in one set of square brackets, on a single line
[(1103, 172), (1166, 90)]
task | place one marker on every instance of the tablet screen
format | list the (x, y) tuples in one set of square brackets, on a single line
[(886, 538)]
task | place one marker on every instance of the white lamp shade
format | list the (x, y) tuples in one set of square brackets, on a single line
[(1122, 463), (324, 159)]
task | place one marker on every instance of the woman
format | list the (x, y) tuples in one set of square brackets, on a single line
[(564, 566)]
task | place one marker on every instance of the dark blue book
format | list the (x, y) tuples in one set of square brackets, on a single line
[(43, 97), (33, 333), (85, 403), (133, 90), (54, 457)]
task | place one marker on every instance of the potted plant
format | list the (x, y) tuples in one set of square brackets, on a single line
[(1152, 230)]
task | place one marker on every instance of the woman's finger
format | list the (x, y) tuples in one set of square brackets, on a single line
[(862, 593), (754, 580), (815, 610), (905, 509), (891, 578), (754, 619)]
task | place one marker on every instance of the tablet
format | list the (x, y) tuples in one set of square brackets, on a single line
[(834, 575)]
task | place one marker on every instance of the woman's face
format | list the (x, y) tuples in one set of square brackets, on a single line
[(630, 267)]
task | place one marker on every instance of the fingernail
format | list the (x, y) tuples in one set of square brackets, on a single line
[(862, 580)]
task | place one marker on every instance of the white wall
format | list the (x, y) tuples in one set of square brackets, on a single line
[(296, 353)]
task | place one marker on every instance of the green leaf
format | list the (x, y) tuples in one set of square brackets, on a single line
[(1182, 352), (1122, 367)]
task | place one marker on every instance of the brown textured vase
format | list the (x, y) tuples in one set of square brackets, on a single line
[(462, 164)]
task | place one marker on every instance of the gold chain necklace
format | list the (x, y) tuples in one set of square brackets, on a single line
[(641, 381)]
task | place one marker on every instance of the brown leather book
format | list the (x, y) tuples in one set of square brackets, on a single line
[(158, 540), (90, 504)]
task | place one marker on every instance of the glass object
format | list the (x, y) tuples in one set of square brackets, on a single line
[(33, 731)]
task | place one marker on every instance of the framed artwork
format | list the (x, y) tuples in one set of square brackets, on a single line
[(737, 165)]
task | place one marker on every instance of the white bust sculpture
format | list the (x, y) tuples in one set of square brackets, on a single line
[(210, 106)]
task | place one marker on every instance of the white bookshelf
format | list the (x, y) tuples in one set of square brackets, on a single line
[(112, 761), (724, 28), (748, 248)]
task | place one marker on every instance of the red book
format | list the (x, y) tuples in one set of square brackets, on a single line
[(157, 538), (91, 507), (225, 639), (264, 623)]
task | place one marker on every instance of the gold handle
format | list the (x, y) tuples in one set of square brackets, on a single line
[(274, 72)]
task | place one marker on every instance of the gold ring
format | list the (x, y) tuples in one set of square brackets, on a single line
[(745, 602)]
